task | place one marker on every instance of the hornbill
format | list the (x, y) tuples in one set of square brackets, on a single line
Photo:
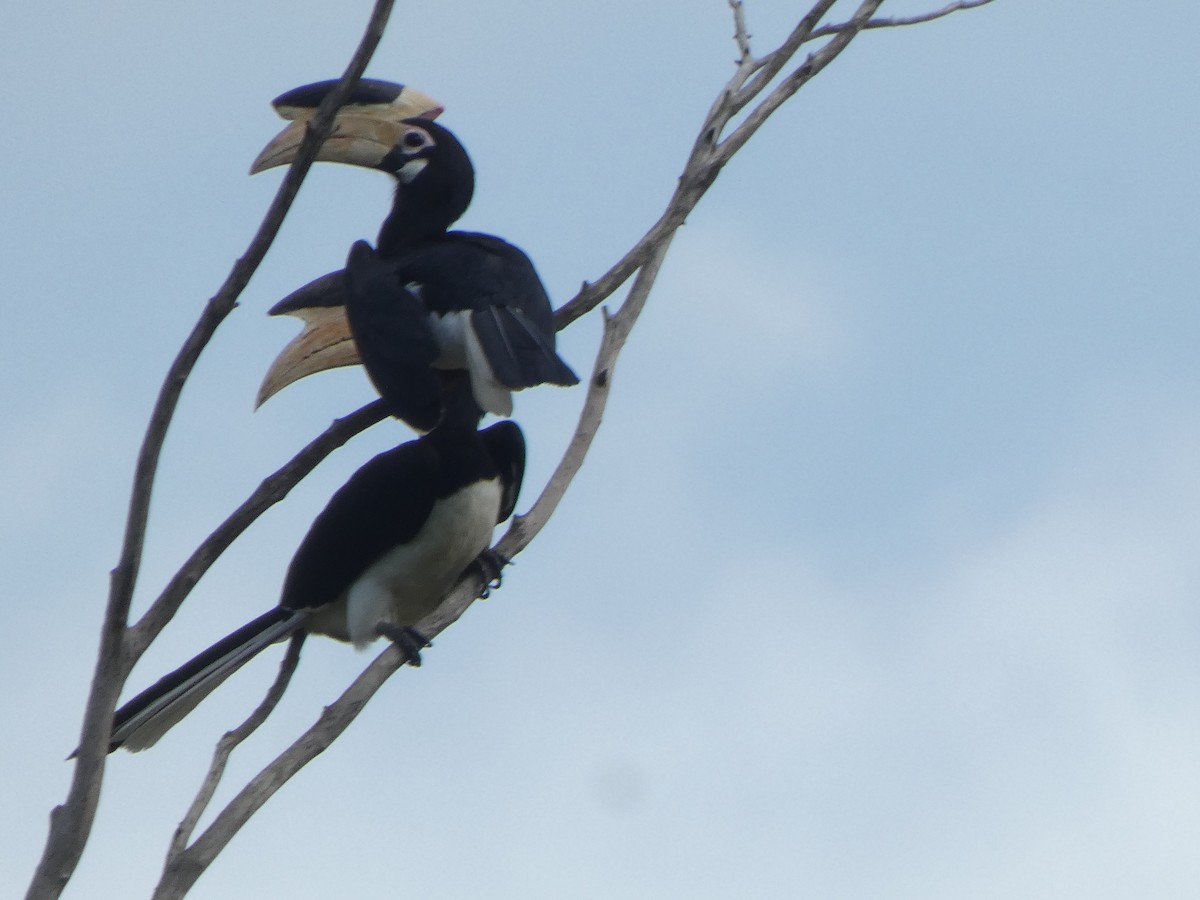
[(381, 555), (365, 127), (484, 307)]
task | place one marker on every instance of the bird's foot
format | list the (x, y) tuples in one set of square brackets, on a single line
[(490, 564), (410, 641)]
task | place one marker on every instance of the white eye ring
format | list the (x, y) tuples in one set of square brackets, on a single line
[(411, 169), (415, 139)]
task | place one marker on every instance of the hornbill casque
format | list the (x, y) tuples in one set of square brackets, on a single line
[(366, 122), (380, 557), (425, 300)]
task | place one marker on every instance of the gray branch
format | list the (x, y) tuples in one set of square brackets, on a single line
[(827, 30), (182, 866)]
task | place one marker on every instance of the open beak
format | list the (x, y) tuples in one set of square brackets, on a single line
[(325, 342), (363, 132)]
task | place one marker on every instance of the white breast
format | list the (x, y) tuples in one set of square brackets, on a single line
[(408, 582)]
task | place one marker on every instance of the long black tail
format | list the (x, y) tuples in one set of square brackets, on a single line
[(147, 717)]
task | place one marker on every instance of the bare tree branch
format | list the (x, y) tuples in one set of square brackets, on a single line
[(749, 81), (183, 870), (703, 164), (763, 71), (741, 36), (786, 89), (826, 30), (70, 823), (524, 528)]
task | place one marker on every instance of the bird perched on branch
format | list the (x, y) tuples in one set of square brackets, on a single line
[(380, 557), (484, 308)]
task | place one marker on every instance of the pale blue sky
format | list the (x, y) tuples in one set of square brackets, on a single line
[(881, 579)]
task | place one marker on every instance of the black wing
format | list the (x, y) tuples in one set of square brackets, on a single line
[(466, 270), (511, 314), (392, 331), (505, 444), (383, 505)]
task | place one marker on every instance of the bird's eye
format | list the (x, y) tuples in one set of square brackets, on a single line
[(414, 139)]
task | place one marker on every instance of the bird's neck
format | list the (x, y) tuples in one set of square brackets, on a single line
[(419, 214), (460, 411), (403, 227)]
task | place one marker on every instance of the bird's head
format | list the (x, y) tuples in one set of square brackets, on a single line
[(434, 181)]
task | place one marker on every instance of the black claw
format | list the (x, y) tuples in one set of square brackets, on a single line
[(410, 641), (490, 564)]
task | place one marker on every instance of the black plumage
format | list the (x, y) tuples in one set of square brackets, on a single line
[(487, 310), (379, 558)]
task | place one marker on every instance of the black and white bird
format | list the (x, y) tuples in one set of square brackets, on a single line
[(484, 308), (379, 558)]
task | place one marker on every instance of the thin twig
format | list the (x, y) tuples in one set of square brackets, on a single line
[(616, 329), (787, 88), (826, 30), (773, 63), (741, 36), (699, 172)]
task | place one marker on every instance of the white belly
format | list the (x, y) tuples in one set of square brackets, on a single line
[(407, 583)]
